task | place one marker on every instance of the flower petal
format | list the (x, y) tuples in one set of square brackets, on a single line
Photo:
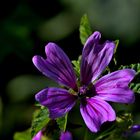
[(66, 136), (95, 58), (95, 112), (114, 86), (38, 136), (57, 66), (58, 101)]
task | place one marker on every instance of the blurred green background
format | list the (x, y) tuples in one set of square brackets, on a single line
[(27, 26)]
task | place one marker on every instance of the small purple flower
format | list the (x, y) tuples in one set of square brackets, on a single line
[(92, 92), (132, 130), (66, 136), (38, 136), (135, 128)]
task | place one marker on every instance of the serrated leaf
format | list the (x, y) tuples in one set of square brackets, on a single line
[(136, 67), (135, 84), (85, 29), (62, 122), (40, 120), (25, 135)]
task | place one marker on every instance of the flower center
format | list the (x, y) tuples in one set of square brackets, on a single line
[(82, 90), (85, 91)]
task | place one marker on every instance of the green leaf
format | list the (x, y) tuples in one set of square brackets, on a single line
[(85, 29), (25, 135), (40, 120), (62, 122), (134, 85), (76, 64)]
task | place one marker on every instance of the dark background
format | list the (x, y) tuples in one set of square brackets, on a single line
[(27, 26)]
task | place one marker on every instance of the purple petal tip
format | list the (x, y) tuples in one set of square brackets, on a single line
[(34, 59), (38, 136), (96, 36)]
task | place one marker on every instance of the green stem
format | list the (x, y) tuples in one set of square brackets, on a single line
[(65, 125)]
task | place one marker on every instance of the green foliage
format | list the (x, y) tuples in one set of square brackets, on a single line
[(40, 120), (134, 85), (51, 131), (25, 135), (123, 122), (62, 122), (136, 67), (117, 129), (113, 130), (85, 29), (76, 64)]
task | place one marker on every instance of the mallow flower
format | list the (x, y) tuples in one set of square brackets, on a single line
[(93, 91)]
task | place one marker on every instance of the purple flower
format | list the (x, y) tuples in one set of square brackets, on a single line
[(92, 92), (66, 136), (37, 136), (135, 128), (132, 130)]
